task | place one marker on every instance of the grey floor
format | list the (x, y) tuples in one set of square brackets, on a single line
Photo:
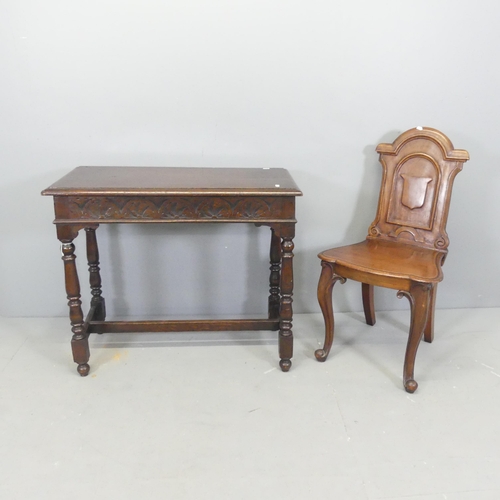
[(209, 416)]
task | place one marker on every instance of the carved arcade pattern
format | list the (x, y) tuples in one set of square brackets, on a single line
[(415, 187), (101, 208)]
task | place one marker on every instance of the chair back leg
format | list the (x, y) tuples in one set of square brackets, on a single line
[(429, 326), (368, 303)]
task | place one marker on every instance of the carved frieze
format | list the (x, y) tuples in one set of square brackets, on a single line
[(173, 208)]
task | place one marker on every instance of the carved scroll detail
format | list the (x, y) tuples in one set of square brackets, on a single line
[(415, 234)]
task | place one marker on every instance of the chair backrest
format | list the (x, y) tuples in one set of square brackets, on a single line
[(419, 169)]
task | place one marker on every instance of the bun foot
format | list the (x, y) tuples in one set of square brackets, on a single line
[(321, 355), (285, 364), (83, 369), (411, 386)]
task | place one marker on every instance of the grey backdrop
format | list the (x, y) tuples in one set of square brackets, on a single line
[(309, 86)]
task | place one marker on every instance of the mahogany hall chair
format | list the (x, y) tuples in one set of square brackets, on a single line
[(406, 243)]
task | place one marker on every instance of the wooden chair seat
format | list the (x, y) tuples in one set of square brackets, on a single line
[(407, 242), (381, 259)]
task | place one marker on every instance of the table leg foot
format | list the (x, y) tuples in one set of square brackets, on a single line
[(285, 365), (83, 369)]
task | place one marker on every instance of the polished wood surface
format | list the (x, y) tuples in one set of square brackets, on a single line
[(407, 242), (171, 194), (380, 257), (174, 181), (89, 196)]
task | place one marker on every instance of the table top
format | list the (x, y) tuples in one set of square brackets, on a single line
[(154, 181)]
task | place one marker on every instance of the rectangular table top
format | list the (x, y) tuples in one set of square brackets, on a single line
[(154, 181)]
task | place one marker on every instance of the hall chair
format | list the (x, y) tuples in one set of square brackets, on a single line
[(407, 242)]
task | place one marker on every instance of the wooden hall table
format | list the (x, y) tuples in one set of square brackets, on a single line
[(89, 196)]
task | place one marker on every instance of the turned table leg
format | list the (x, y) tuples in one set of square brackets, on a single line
[(79, 341), (286, 311), (94, 275), (274, 278)]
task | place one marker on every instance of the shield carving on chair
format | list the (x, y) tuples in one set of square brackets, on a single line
[(414, 190)]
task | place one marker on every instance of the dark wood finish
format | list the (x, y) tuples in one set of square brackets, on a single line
[(79, 341), (275, 276), (204, 325), (407, 242), (285, 335), (89, 196), (94, 275), (170, 208), (176, 181)]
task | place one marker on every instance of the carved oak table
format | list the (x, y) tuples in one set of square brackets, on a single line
[(89, 196)]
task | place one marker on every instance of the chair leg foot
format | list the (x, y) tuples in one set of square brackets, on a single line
[(411, 386), (320, 355)]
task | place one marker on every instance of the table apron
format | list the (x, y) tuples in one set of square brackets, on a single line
[(140, 209)]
